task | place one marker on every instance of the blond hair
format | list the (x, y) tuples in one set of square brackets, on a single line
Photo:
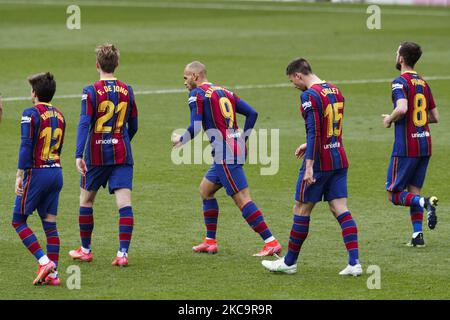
[(107, 57)]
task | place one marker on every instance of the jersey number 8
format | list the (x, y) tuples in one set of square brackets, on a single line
[(420, 110)]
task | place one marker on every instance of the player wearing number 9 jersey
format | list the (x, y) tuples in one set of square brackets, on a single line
[(414, 108), (108, 123), (323, 174), (39, 176), (214, 108)]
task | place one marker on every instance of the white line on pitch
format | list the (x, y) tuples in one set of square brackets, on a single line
[(236, 87), (239, 7)]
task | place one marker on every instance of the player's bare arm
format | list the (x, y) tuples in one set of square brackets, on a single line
[(19, 183), (300, 151), (433, 116), (397, 113)]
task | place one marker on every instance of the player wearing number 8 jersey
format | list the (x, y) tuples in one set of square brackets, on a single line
[(214, 108), (414, 108), (323, 174), (108, 122), (39, 176)]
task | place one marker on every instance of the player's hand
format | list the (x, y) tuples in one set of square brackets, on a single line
[(300, 151), (81, 166), (386, 120), (19, 185), (176, 143), (308, 177)]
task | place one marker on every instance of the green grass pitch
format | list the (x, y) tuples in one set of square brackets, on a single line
[(240, 44)]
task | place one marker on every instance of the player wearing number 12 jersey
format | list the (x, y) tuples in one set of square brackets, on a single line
[(414, 108), (108, 122), (214, 108), (323, 174), (39, 175)]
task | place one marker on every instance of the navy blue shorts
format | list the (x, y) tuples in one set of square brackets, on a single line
[(117, 177), (230, 176), (41, 188), (405, 171), (329, 185)]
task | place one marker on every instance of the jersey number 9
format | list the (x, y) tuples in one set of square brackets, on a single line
[(227, 111)]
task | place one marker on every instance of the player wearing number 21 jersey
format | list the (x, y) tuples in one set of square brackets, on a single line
[(214, 108), (39, 175), (323, 175), (414, 109), (108, 122)]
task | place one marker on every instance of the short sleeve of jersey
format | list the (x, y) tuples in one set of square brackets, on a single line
[(399, 87), (87, 101)]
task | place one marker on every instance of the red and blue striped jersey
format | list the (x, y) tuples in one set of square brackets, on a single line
[(412, 134), (43, 127), (214, 109), (322, 107), (108, 122)]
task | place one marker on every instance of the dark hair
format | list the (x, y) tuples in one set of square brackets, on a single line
[(410, 52), (44, 86), (107, 57), (298, 65)]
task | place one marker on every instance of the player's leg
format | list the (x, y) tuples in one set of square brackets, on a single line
[(120, 183), (23, 207), (96, 176), (416, 214), (126, 224), (349, 231), (48, 210), (253, 216), (336, 195), (86, 225), (401, 171), (306, 196), (53, 243), (299, 231), (416, 183), (208, 187)]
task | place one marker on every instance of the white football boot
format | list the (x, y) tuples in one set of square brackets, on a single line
[(279, 266), (355, 270)]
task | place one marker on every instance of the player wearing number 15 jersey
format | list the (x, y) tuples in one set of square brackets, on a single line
[(108, 122), (39, 176), (323, 174), (414, 108), (214, 108)]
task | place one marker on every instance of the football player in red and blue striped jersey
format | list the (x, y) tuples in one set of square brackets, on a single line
[(214, 108), (323, 174), (39, 175), (108, 123), (414, 109)]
